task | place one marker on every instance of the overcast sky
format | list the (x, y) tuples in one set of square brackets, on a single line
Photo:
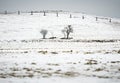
[(98, 7)]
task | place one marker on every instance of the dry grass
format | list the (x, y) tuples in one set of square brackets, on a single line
[(70, 74), (53, 64), (91, 62), (33, 63), (54, 53), (99, 69), (43, 52)]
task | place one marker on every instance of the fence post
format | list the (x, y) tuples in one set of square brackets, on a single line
[(70, 15), (110, 20), (57, 14), (5, 12), (83, 17), (18, 12), (96, 18), (31, 12), (44, 13)]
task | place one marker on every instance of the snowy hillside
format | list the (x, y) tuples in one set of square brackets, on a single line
[(92, 54), (26, 26)]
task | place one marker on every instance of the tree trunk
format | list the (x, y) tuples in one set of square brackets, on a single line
[(43, 36), (67, 35)]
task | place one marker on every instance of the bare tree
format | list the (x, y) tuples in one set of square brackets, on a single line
[(44, 33), (67, 30)]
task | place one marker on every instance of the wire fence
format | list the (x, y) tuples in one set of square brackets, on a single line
[(45, 12)]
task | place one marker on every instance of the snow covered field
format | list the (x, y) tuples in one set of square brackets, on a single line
[(92, 56)]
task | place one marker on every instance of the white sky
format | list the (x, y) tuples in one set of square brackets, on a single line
[(98, 7)]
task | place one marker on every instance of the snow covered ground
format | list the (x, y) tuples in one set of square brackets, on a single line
[(93, 55), (26, 26)]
